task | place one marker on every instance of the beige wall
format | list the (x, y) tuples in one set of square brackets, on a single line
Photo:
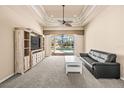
[(78, 44), (106, 32), (47, 44), (10, 17)]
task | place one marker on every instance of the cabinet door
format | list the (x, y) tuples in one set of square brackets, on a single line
[(19, 51), (34, 60), (26, 63), (38, 57), (41, 57)]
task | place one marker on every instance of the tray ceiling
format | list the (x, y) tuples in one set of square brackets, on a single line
[(55, 11), (79, 14)]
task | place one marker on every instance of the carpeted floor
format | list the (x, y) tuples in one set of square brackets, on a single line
[(50, 73)]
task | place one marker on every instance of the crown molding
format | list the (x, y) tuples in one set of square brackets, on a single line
[(91, 14), (88, 13), (63, 28), (39, 14)]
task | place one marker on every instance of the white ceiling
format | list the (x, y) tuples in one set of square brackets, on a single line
[(55, 11), (79, 14)]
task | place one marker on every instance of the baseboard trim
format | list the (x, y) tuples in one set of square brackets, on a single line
[(6, 78), (122, 78)]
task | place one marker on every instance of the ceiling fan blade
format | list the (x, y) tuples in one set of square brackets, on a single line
[(69, 21), (60, 21), (67, 24)]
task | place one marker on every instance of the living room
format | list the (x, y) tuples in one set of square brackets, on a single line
[(94, 27)]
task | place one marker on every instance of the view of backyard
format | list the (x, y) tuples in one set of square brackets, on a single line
[(62, 44)]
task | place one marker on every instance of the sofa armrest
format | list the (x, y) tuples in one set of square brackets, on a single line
[(83, 54), (106, 70)]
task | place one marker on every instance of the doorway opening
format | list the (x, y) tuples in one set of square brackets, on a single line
[(62, 44)]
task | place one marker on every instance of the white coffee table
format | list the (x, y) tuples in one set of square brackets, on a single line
[(73, 64)]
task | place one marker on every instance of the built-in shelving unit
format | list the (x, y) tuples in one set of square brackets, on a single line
[(27, 47), (22, 50), (25, 57)]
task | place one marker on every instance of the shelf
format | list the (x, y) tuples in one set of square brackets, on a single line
[(26, 35), (26, 40), (26, 52), (26, 43), (26, 48), (33, 51)]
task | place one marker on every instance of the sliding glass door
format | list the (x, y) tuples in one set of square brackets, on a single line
[(62, 44)]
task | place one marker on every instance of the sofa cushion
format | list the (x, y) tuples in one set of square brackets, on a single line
[(94, 55), (89, 60), (90, 54), (102, 56)]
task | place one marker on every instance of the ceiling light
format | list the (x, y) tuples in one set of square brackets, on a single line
[(74, 15), (51, 15)]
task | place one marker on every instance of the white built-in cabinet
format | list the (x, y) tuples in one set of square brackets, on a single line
[(22, 50), (25, 58), (37, 56)]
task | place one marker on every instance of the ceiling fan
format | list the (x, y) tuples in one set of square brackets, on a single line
[(66, 23)]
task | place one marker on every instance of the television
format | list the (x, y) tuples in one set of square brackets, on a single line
[(35, 42)]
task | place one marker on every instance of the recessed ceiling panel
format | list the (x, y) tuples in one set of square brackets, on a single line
[(55, 11)]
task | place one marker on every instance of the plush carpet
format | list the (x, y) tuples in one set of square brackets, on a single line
[(50, 73)]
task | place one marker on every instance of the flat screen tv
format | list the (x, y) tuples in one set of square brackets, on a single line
[(35, 42)]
